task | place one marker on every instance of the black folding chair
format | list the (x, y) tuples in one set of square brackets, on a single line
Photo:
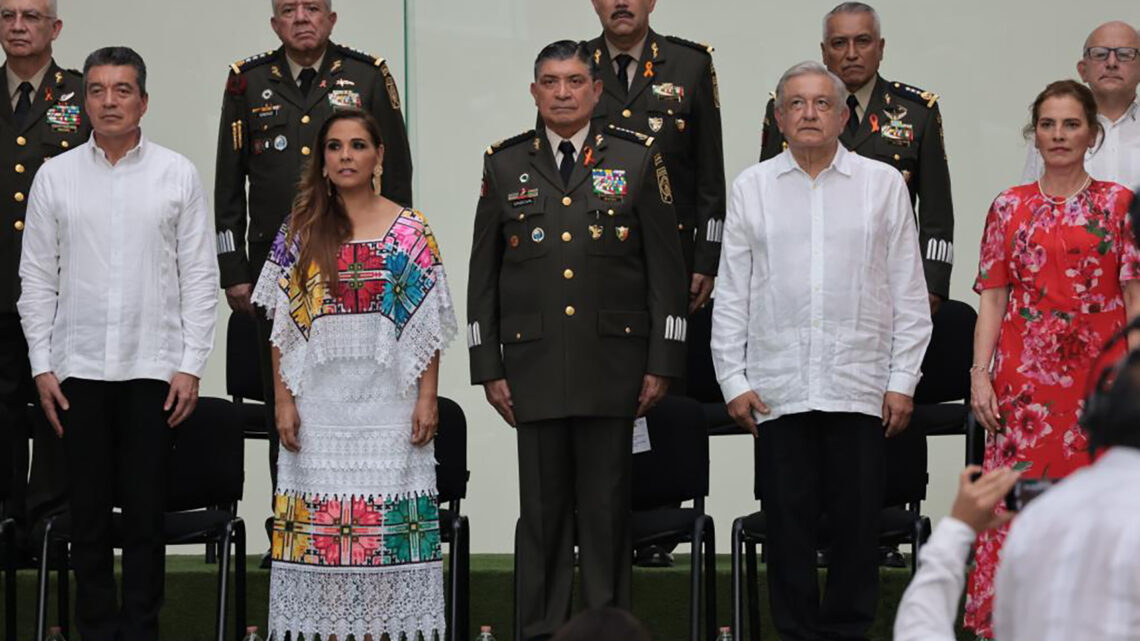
[(901, 521), (243, 374), (942, 399), (205, 485), (451, 476)]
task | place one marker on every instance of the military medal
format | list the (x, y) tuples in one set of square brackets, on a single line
[(280, 143), (64, 118), (67, 96), (344, 82), (668, 91), (524, 178), (345, 99), (538, 235), (267, 94), (655, 123), (596, 232), (680, 124), (522, 197), (609, 184), (898, 132), (622, 233)]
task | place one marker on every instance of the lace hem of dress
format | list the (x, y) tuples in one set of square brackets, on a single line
[(400, 602)]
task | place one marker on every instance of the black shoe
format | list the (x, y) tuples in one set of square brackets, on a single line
[(653, 557), (890, 557)]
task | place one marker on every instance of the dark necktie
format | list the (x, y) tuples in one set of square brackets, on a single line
[(853, 121), (308, 74), (567, 165), (23, 103), (623, 60)]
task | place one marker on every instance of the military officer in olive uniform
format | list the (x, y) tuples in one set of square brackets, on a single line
[(274, 104), (41, 116), (892, 122), (577, 319)]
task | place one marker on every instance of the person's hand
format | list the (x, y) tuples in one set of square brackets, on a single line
[(425, 420), (238, 297), (984, 402), (699, 291), (653, 389), (499, 396), (742, 407), (52, 400), (183, 398), (935, 302), (976, 500), (897, 409), (288, 423)]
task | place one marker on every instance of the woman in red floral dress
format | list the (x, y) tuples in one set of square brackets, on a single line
[(1057, 279)]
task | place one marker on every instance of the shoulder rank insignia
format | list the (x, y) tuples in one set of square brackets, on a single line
[(510, 142), (699, 46), (913, 93), (357, 54), (251, 62), (629, 134)]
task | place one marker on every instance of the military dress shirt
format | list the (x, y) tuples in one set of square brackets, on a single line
[(674, 98), (15, 81), (1116, 158), (267, 133), (576, 291), (56, 123), (820, 303), (902, 126)]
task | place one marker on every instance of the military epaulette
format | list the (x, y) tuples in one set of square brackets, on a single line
[(772, 96), (699, 46), (630, 135), (253, 61), (510, 142), (913, 93), (356, 54)]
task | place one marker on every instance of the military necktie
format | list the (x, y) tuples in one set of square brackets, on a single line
[(566, 167), (23, 104), (308, 74), (623, 60), (853, 120)]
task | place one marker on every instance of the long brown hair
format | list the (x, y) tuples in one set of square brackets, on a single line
[(319, 222), (1075, 90)]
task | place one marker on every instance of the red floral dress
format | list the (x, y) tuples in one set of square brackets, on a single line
[(1064, 265)]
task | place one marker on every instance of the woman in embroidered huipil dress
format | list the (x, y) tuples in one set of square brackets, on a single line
[(1057, 279), (360, 308)]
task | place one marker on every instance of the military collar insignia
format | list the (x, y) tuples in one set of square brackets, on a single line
[(59, 77), (655, 50), (537, 143), (276, 72), (336, 66), (597, 56)]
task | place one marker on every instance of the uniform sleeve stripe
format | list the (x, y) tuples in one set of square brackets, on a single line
[(940, 250), (474, 337), (226, 242)]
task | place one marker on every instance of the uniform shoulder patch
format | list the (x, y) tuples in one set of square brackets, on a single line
[(699, 46), (630, 135), (904, 90), (253, 61), (510, 142), (357, 54)]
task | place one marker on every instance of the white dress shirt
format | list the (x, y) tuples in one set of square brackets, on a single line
[(821, 302), (118, 270), (295, 68), (578, 140), (929, 606), (1070, 567), (1117, 159)]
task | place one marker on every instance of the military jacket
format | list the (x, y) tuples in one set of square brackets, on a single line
[(674, 98), (903, 128), (575, 293), (268, 131), (56, 123)]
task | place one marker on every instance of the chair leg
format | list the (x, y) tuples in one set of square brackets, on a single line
[(710, 582), (737, 614), (518, 611), (462, 624), (63, 585), (695, 579), (239, 579), (753, 591), (42, 584), (9, 531), (452, 581), (223, 581)]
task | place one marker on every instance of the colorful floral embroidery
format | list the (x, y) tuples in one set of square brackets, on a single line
[(411, 530)]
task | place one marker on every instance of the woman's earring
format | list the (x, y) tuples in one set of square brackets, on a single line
[(377, 172)]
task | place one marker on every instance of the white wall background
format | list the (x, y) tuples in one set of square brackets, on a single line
[(466, 81)]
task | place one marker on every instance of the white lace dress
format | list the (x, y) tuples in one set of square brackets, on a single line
[(356, 543)]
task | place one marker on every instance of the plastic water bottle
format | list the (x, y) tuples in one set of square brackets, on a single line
[(54, 634), (251, 634), (485, 633), (725, 634)]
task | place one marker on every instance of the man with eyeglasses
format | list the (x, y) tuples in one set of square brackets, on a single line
[(1110, 66), (41, 116)]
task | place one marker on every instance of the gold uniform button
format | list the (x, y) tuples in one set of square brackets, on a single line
[(628, 330), (19, 196), (610, 213), (65, 144), (566, 237), (305, 151), (568, 274), (566, 201), (896, 157), (19, 168), (18, 225), (522, 216), (681, 226), (626, 113), (20, 140), (570, 310), (306, 119), (518, 336)]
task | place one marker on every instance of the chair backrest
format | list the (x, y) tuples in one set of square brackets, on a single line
[(243, 362), (207, 465), (451, 472), (700, 376), (906, 468), (946, 367), (676, 468)]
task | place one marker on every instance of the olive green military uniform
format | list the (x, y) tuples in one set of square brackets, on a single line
[(55, 124), (903, 128), (575, 292), (268, 131)]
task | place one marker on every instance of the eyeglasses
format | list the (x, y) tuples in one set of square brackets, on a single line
[(1123, 54), (31, 18)]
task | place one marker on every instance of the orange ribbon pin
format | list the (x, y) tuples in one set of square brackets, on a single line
[(589, 156), (875, 123), (648, 69)]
